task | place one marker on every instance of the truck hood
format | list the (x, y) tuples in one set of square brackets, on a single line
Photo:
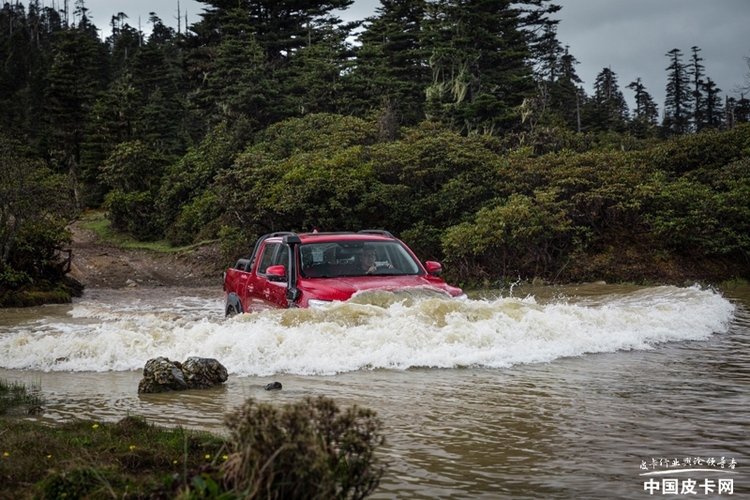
[(342, 288)]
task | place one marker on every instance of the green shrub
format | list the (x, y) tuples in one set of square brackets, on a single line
[(133, 213), (198, 221), (306, 450), (523, 235)]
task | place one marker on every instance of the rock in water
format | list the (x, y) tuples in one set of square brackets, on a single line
[(202, 373), (162, 375), (274, 386)]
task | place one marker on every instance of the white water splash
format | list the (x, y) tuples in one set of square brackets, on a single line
[(365, 333)]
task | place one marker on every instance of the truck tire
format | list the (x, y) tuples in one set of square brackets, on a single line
[(231, 311)]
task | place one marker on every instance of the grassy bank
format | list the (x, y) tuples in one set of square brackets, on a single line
[(98, 222), (16, 398), (102, 460), (309, 449)]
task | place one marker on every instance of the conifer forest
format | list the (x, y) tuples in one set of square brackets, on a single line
[(461, 127)]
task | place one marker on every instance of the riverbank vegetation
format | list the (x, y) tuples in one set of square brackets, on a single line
[(480, 150), (17, 398), (310, 449)]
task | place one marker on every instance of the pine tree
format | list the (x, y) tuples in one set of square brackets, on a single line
[(713, 108), (646, 115), (566, 95), (77, 74), (677, 110), (25, 49), (481, 62), (156, 75), (123, 44), (738, 110), (314, 75), (607, 109), (391, 66), (696, 72), (238, 84), (282, 30)]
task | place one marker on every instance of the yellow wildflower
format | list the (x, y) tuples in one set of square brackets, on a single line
[(6, 454), (95, 426), (208, 457), (132, 447)]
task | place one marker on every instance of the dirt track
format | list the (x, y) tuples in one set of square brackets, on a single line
[(97, 264)]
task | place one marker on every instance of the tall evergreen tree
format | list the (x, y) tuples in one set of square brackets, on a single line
[(737, 111), (314, 75), (481, 61), (714, 110), (391, 66), (77, 74), (156, 74), (607, 109), (123, 44), (566, 94), (677, 110), (646, 114), (282, 29), (238, 85), (25, 49), (697, 72)]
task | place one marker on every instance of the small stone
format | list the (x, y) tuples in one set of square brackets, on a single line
[(274, 386)]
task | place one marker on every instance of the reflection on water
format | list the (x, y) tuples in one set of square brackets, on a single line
[(557, 393)]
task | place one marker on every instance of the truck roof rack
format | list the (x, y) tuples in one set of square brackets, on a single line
[(264, 238), (376, 231)]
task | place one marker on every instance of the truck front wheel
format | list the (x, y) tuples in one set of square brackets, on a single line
[(231, 311)]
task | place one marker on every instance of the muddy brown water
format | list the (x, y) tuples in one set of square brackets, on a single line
[(592, 391)]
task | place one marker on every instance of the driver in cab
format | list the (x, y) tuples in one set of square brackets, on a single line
[(367, 263)]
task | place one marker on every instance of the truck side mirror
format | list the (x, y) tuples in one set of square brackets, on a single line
[(276, 273), (433, 268)]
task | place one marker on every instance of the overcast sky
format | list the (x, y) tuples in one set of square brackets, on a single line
[(629, 36)]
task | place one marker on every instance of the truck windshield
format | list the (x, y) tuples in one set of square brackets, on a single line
[(355, 258)]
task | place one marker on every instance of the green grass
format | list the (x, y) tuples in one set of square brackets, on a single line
[(16, 398), (96, 459), (98, 222), (86, 459)]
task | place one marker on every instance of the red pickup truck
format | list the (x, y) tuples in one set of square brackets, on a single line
[(289, 270)]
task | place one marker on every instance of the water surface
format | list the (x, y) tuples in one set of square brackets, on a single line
[(545, 392)]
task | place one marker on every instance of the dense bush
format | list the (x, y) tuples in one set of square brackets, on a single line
[(133, 213), (35, 207), (604, 210), (185, 182), (307, 450)]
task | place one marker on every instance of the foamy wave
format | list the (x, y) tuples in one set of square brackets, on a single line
[(397, 333)]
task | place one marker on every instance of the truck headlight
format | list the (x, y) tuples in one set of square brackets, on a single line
[(317, 303)]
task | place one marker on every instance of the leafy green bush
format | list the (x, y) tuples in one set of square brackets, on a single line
[(35, 208), (198, 221), (133, 167), (707, 151), (134, 213), (523, 235), (306, 450), (187, 180)]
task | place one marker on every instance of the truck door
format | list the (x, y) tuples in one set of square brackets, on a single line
[(263, 292)]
